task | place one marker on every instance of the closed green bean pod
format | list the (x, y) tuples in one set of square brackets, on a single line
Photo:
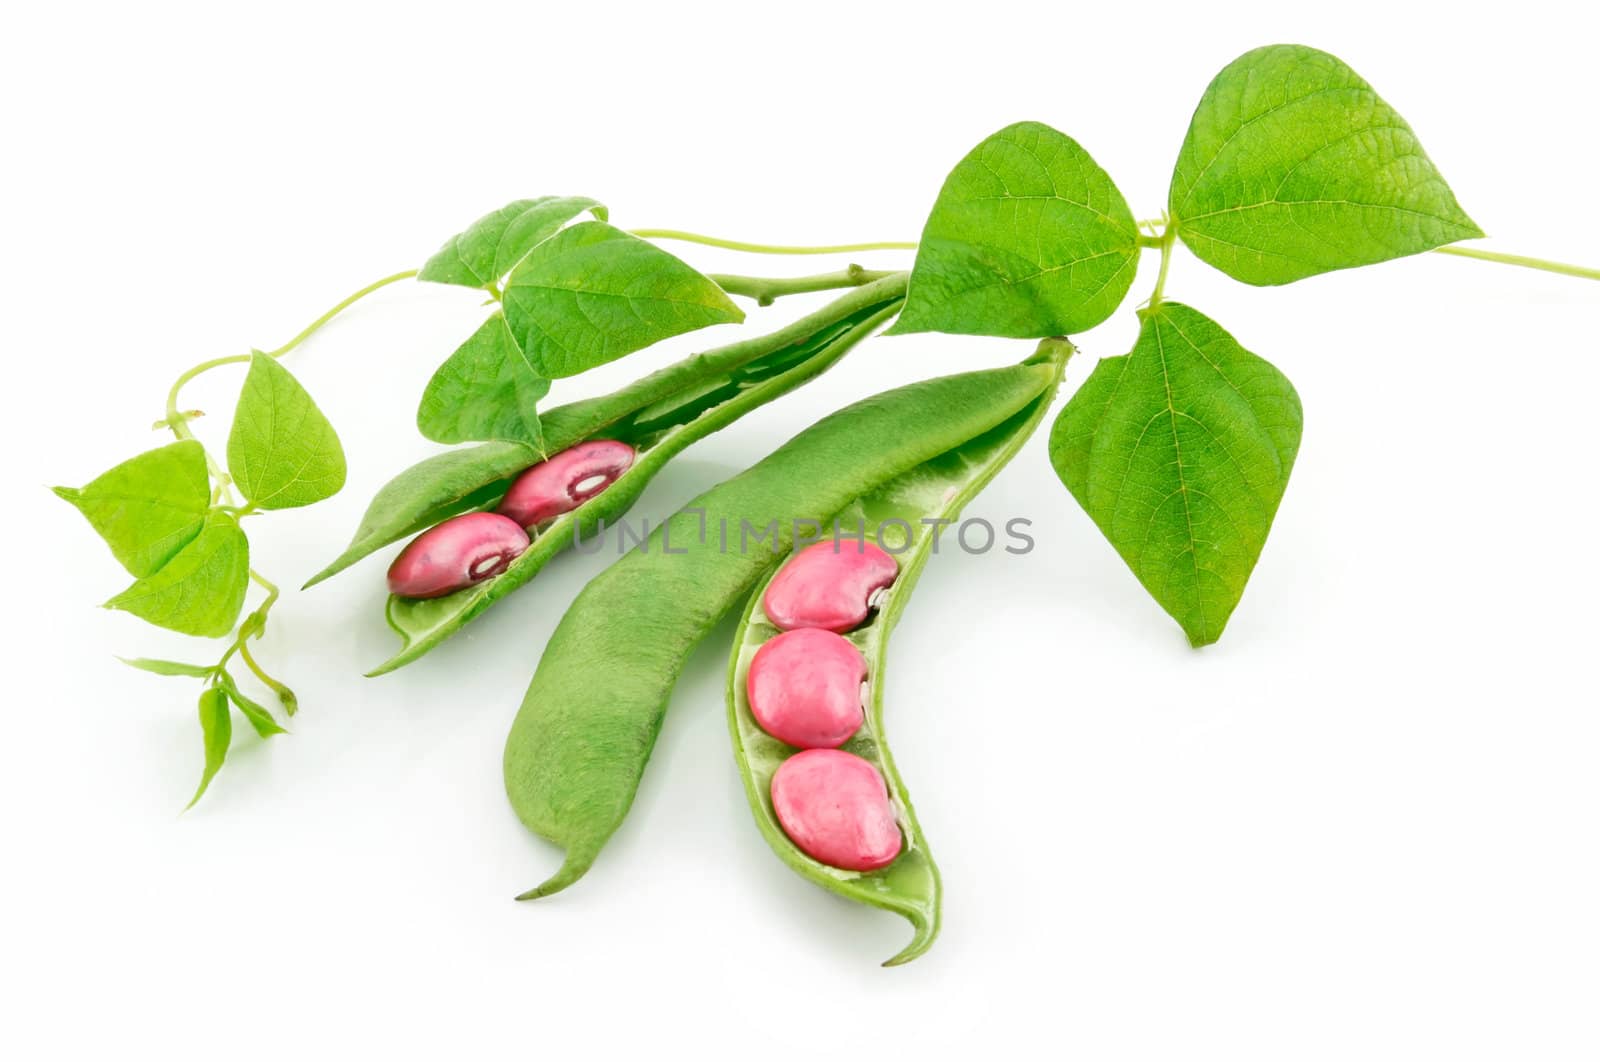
[(591, 715), (893, 515)]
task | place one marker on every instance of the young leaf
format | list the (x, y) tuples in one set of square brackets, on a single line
[(430, 491), (149, 507), (282, 451), (592, 293), (259, 718), (170, 668), (201, 590), (485, 392), (1294, 166), (1180, 452), (1028, 238), (492, 246), (216, 726)]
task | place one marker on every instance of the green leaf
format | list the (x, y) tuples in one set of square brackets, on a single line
[(170, 668), (1294, 166), (1028, 238), (258, 716), (201, 590), (282, 451), (216, 725), (592, 293), (492, 246), (1180, 452), (149, 507), (485, 392)]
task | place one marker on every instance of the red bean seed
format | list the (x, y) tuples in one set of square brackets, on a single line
[(805, 688), (463, 550)]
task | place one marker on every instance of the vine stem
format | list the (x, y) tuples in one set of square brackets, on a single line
[(178, 422), (765, 290), (769, 248), (222, 493), (1521, 260), (1167, 238)]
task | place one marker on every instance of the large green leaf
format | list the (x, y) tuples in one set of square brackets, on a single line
[(1029, 238), (201, 590), (1180, 452), (149, 507), (592, 293), (492, 246), (282, 451), (216, 728), (1294, 166), (485, 392)]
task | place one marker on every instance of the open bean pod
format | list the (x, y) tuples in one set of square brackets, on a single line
[(658, 416), (590, 718), (892, 513)]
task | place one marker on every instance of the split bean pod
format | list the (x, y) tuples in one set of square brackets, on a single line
[(591, 715), (655, 418), (827, 812)]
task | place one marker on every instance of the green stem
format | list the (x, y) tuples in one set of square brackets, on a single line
[(1168, 237), (769, 248), (178, 422), (767, 289), (285, 695), (1522, 260)]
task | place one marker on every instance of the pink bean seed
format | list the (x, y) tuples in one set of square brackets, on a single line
[(835, 807), (565, 481), (829, 585), (805, 688), (463, 550)]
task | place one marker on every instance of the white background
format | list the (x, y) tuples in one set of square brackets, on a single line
[(1363, 826)]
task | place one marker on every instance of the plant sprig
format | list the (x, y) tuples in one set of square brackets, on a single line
[(1179, 450)]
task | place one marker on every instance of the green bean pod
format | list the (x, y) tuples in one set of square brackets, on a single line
[(891, 514), (659, 416), (591, 715)]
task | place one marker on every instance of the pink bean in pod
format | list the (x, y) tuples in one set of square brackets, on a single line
[(463, 550), (835, 807), (804, 688), (829, 585), (567, 480)]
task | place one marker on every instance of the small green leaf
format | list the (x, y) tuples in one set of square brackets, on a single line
[(1028, 238), (592, 293), (282, 451), (149, 507), (201, 590), (1294, 166), (485, 392), (169, 667), (258, 716), (216, 725), (492, 246), (1180, 452)]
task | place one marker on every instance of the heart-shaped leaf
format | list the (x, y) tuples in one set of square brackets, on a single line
[(1028, 238), (592, 293), (201, 590), (1294, 166), (149, 507), (485, 392), (491, 247), (282, 451), (1180, 451)]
